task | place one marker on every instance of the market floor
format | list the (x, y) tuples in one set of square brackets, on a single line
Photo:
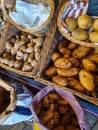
[(93, 121)]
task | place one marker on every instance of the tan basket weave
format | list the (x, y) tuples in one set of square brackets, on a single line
[(38, 31), (45, 61), (11, 104), (65, 34)]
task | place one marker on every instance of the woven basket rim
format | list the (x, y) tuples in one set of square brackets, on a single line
[(83, 43), (51, 4), (81, 95), (12, 105)]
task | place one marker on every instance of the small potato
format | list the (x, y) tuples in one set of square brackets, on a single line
[(53, 96), (68, 72), (87, 80), (74, 122), (45, 101), (75, 84), (38, 108), (94, 94), (50, 123), (62, 102), (51, 107), (66, 120), (58, 127), (56, 117), (81, 51), (72, 45), (60, 80), (66, 55), (50, 72), (45, 116), (62, 45), (94, 58), (89, 65), (55, 55), (63, 109), (62, 63), (71, 127), (74, 61)]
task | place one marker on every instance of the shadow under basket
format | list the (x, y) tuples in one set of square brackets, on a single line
[(45, 62), (7, 100), (73, 9), (40, 31)]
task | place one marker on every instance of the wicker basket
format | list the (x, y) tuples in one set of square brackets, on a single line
[(45, 61), (12, 30), (69, 10), (38, 31), (10, 95)]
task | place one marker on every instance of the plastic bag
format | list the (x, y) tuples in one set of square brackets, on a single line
[(65, 95), (22, 111)]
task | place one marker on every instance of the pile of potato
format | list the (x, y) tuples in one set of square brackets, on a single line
[(22, 51), (74, 66), (83, 28), (56, 113)]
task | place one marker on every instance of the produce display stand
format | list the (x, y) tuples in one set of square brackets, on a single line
[(36, 79)]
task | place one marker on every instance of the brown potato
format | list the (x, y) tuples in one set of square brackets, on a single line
[(60, 80), (68, 72), (66, 55), (94, 94), (62, 46), (62, 102), (63, 109), (66, 120), (71, 127), (51, 107), (74, 122), (96, 80), (81, 51), (53, 96), (74, 61), (62, 63), (94, 58), (87, 80), (72, 45), (75, 84), (46, 115), (65, 51), (58, 127), (38, 108), (55, 55), (50, 72), (56, 117), (50, 123), (45, 101), (88, 65)]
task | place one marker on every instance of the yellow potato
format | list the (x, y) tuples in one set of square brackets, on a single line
[(72, 45), (51, 71), (55, 55), (87, 80), (60, 80), (88, 65), (75, 84), (74, 61), (53, 96), (62, 46), (68, 72), (62, 63), (81, 51), (94, 58)]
